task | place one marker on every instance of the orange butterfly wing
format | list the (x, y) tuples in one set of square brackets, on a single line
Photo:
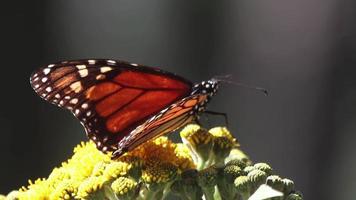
[(110, 98), (168, 120)]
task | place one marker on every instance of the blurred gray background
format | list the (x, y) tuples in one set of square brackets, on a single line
[(303, 52)]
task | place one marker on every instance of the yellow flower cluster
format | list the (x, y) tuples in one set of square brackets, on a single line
[(88, 172), (207, 161), (164, 150)]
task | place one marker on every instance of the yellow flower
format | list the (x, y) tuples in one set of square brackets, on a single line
[(115, 169), (85, 157), (184, 160), (36, 190), (223, 143), (237, 154), (136, 165), (161, 146), (124, 188), (91, 187), (223, 132), (66, 189), (161, 149), (158, 171), (196, 135), (200, 143)]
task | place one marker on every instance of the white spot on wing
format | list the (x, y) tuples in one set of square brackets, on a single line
[(51, 65), (134, 64), (44, 79), (92, 62), (111, 61), (81, 67), (84, 105), (46, 71), (100, 77), (48, 89), (88, 113), (105, 69), (74, 101), (77, 111), (83, 73), (57, 96), (76, 86)]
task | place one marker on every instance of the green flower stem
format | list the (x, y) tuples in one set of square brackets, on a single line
[(226, 190), (208, 193), (167, 190), (109, 193), (217, 194), (155, 191)]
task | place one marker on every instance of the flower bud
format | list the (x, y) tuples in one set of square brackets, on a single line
[(231, 172), (275, 182), (237, 162), (124, 188), (294, 196), (288, 186), (257, 177), (243, 186), (263, 167)]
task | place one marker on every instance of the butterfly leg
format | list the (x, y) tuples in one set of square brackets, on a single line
[(197, 121), (218, 113)]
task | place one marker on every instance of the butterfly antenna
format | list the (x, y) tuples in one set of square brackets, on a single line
[(265, 91), (223, 77)]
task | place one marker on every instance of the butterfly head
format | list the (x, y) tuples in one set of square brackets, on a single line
[(209, 87)]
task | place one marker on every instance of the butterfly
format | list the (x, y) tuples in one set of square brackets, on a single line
[(121, 105)]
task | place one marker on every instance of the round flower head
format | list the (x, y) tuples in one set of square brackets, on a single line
[(275, 182), (66, 189), (248, 169), (115, 169), (223, 132), (199, 141), (184, 160), (231, 172), (223, 143), (222, 147), (124, 188), (243, 186), (236, 153), (161, 146), (157, 171), (257, 177), (263, 167), (237, 162), (91, 188), (288, 186)]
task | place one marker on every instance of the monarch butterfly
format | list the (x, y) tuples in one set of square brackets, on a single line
[(121, 104)]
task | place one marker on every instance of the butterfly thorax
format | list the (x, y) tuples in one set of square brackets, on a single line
[(209, 88)]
